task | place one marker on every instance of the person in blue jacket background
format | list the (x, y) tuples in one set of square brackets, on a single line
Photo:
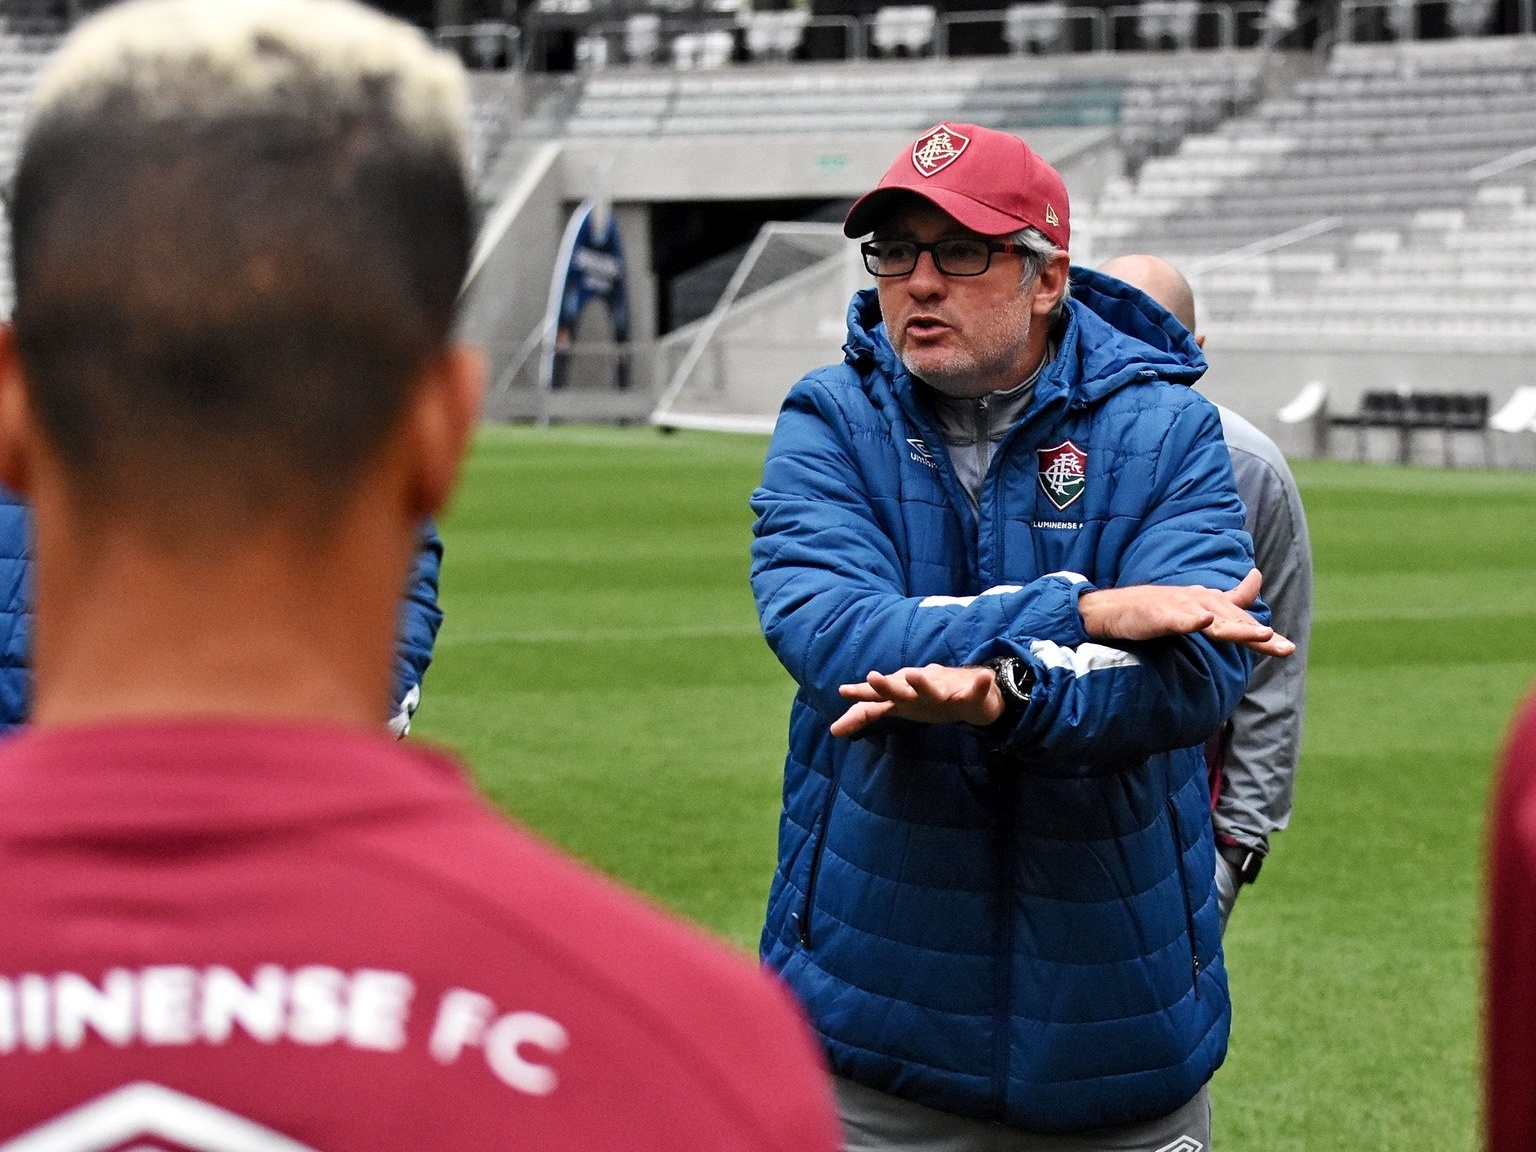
[(415, 636), (15, 611), (416, 630), (1000, 551)]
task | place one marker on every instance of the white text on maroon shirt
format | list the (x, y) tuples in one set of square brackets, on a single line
[(367, 1008)]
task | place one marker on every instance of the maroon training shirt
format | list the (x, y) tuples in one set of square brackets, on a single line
[(285, 937), (1509, 1013)]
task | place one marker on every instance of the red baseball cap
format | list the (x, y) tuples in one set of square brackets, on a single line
[(990, 181)]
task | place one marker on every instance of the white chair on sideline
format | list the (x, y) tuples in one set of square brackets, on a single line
[(1517, 418), (1518, 413), (1310, 404)]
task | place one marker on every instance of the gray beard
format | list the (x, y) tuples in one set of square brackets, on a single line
[(955, 384)]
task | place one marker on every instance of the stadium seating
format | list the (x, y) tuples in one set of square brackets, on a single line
[(1408, 171), (904, 29), (775, 36), (1153, 104), (1405, 413), (1034, 27), (1518, 413), (27, 34)]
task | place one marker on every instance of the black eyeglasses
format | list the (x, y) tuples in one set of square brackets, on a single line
[(962, 256)]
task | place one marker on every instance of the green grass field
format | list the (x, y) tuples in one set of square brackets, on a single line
[(602, 670)]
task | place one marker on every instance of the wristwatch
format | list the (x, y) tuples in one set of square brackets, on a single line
[(1245, 861), (1015, 679)]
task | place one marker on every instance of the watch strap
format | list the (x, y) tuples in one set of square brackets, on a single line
[(1245, 861)]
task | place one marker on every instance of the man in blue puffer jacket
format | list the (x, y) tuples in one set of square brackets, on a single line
[(415, 634), (994, 893)]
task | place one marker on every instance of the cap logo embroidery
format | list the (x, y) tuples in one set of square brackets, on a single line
[(1050, 216), (1063, 473), (936, 151)]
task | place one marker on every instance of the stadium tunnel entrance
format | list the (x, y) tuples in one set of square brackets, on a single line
[(696, 246)]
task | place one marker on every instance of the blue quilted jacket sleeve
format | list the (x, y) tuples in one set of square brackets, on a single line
[(834, 554), (829, 567), (15, 611), (1108, 701), (420, 616)]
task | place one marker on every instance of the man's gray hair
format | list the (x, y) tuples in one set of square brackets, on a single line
[(1038, 251)]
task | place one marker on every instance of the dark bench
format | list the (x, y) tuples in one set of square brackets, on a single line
[(1408, 412)]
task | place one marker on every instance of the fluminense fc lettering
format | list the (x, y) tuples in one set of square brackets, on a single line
[(313, 1005)]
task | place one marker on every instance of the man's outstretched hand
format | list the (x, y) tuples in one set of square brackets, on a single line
[(1147, 611), (933, 694)]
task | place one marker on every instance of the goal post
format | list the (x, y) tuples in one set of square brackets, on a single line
[(782, 314)]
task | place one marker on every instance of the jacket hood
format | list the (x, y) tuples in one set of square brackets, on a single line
[(1115, 335)]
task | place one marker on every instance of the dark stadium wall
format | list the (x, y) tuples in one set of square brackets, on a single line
[(696, 246)]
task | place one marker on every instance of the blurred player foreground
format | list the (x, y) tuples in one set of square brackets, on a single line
[(233, 912)]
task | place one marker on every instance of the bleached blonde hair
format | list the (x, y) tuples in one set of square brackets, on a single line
[(239, 229), (211, 60)]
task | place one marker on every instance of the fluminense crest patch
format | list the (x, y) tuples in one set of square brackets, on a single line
[(1063, 476), (936, 151)]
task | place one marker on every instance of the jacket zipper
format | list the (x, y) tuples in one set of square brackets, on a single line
[(1003, 1013), (1189, 908), (983, 442), (802, 918)]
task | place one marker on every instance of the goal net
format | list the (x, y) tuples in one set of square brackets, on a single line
[(782, 314)]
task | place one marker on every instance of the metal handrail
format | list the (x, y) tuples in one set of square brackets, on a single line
[(1225, 15), (1094, 17), (1220, 25), (670, 26), (858, 32), (1348, 9), (1263, 247), (488, 31), (1503, 164)]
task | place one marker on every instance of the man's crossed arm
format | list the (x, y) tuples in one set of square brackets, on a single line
[(943, 694)]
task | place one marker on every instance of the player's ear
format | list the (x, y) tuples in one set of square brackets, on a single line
[(444, 412), (15, 416), (1051, 283)]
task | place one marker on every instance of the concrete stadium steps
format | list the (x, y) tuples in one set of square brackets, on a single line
[(1418, 151), (1144, 95), (495, 115), (28, 34)]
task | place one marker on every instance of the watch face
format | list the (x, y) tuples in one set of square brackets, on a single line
[(1008, 678), (1013, 679)]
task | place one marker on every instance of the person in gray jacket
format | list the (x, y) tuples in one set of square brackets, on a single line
[(1253, 758)]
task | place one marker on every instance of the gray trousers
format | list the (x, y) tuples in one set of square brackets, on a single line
[(878, 1122)]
